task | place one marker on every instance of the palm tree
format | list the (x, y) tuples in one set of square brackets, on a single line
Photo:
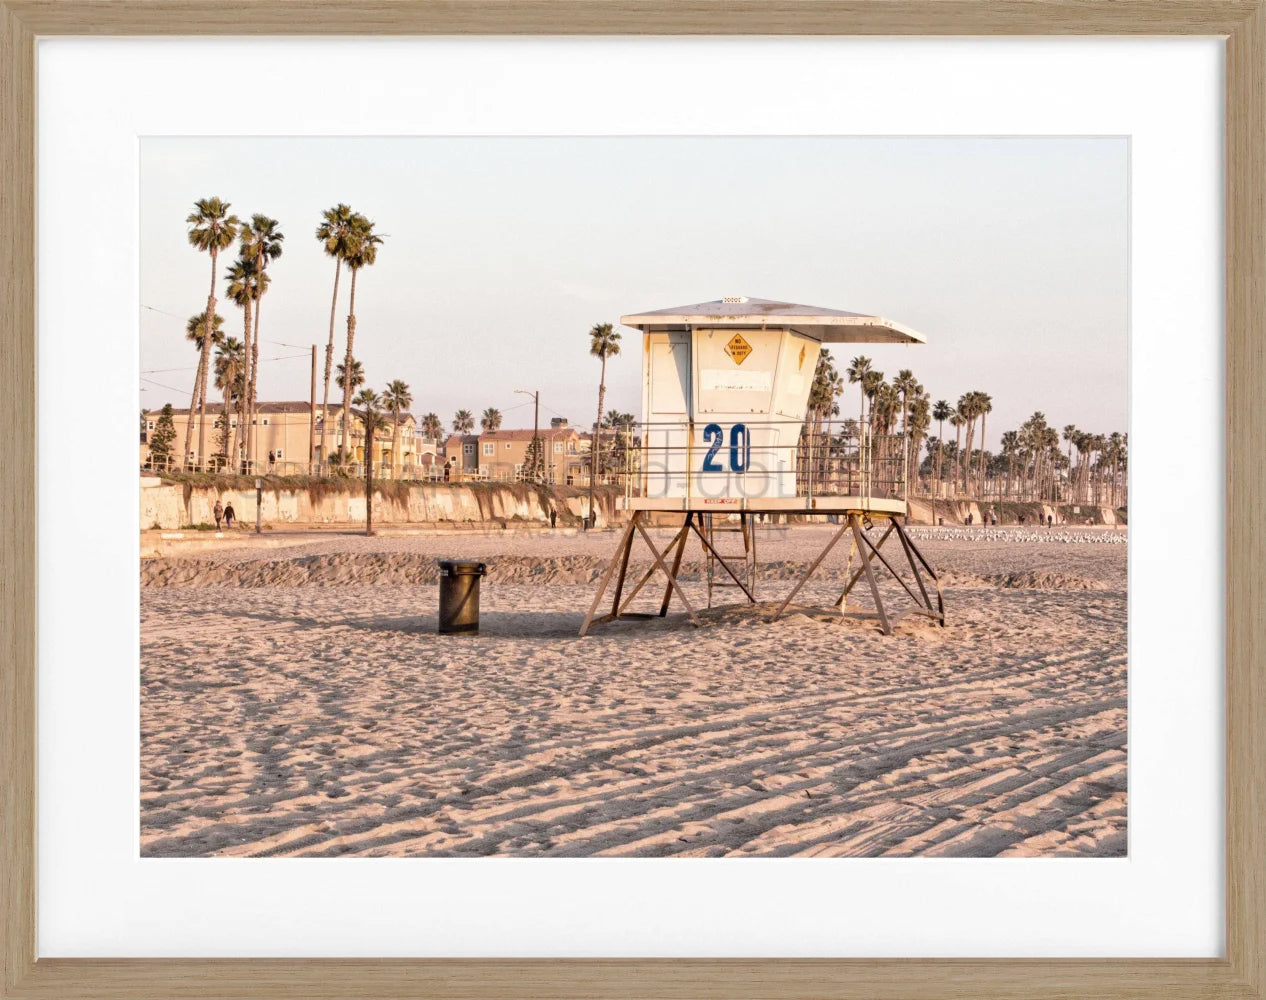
[(432, 427), (984, 406), (858, 369), (244, 285), (463, 422), (906, 384), (198, 334), (336, 234), (372, 418), (230, 366), (348, 387), (1070, 435), (397, 398), (211, 229), (940, 413), (956, 421), (920, 421), (362, 252), (604, 342), (491, 420), (1010, 448), (971, 406), (872, 386), (261, 243)]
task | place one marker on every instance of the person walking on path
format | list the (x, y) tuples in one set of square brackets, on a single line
[(218, 511), (228, 516)]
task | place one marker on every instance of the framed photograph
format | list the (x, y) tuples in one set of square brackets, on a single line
[(632, 500)]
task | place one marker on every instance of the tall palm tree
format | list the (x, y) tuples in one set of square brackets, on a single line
[(1070, 435), (244, 286), (969, 407), (230, 366), (211, 229), (261, 244), (957, 420), (491, 420), (198, 334), (984, 406), (371, 417), (858, 369), (463, 422), (397, 398), (1010, 446), (432, 426), (940, 413), (337, 236), (604, 342), (906, 384), (872, 389), (348, 386), (920, 421), (362, 252)]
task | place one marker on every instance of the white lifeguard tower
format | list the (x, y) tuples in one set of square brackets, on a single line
[(725, 392)]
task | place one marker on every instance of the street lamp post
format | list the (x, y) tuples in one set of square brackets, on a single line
[(536, 431)]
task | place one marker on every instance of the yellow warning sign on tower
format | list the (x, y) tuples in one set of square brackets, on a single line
[(738, 349)]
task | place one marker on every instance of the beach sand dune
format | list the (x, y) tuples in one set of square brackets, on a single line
[(301, 704)]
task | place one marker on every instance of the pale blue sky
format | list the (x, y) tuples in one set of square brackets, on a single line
[(1009, 255)]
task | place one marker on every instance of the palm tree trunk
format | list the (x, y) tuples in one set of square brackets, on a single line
[(981, 476), (253, 447), (940, 451), (329, 366), (193, 405), (596, 459), (208, 326), (347, 364), (239, 433), (369, 482), (395, 445)]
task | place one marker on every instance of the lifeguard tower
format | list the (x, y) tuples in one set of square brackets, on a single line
[(724, 443)]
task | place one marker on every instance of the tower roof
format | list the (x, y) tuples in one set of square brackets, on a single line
[(827, 325)]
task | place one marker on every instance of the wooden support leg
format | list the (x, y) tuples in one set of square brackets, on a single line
[(870, 573), (619, 582), (891, 570), (809, 572), (621, 554), (852, 580), (646, 577), (681, 548), (908, 542), (672, 579)]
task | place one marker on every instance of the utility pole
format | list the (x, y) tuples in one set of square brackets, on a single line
[(536, 431), (539, 472), (312, 417)]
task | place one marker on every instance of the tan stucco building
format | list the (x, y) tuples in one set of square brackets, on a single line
[(285, 432)]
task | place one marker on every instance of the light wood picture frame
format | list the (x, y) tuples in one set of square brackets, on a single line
[(1240, 974)]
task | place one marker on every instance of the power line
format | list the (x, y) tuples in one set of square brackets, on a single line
[(163, 311), (162, 385), (190, 368)]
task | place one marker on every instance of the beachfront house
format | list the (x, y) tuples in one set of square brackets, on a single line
[(504, 455), (285, 431)]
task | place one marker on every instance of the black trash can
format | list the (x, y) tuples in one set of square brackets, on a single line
[(459, 596)]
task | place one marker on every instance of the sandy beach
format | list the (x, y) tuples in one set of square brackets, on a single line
[(297, 702)]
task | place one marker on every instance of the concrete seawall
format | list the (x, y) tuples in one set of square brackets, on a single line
[(171, 506)]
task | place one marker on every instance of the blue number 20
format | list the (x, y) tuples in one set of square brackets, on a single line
[(740, 447), (712, 434)]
